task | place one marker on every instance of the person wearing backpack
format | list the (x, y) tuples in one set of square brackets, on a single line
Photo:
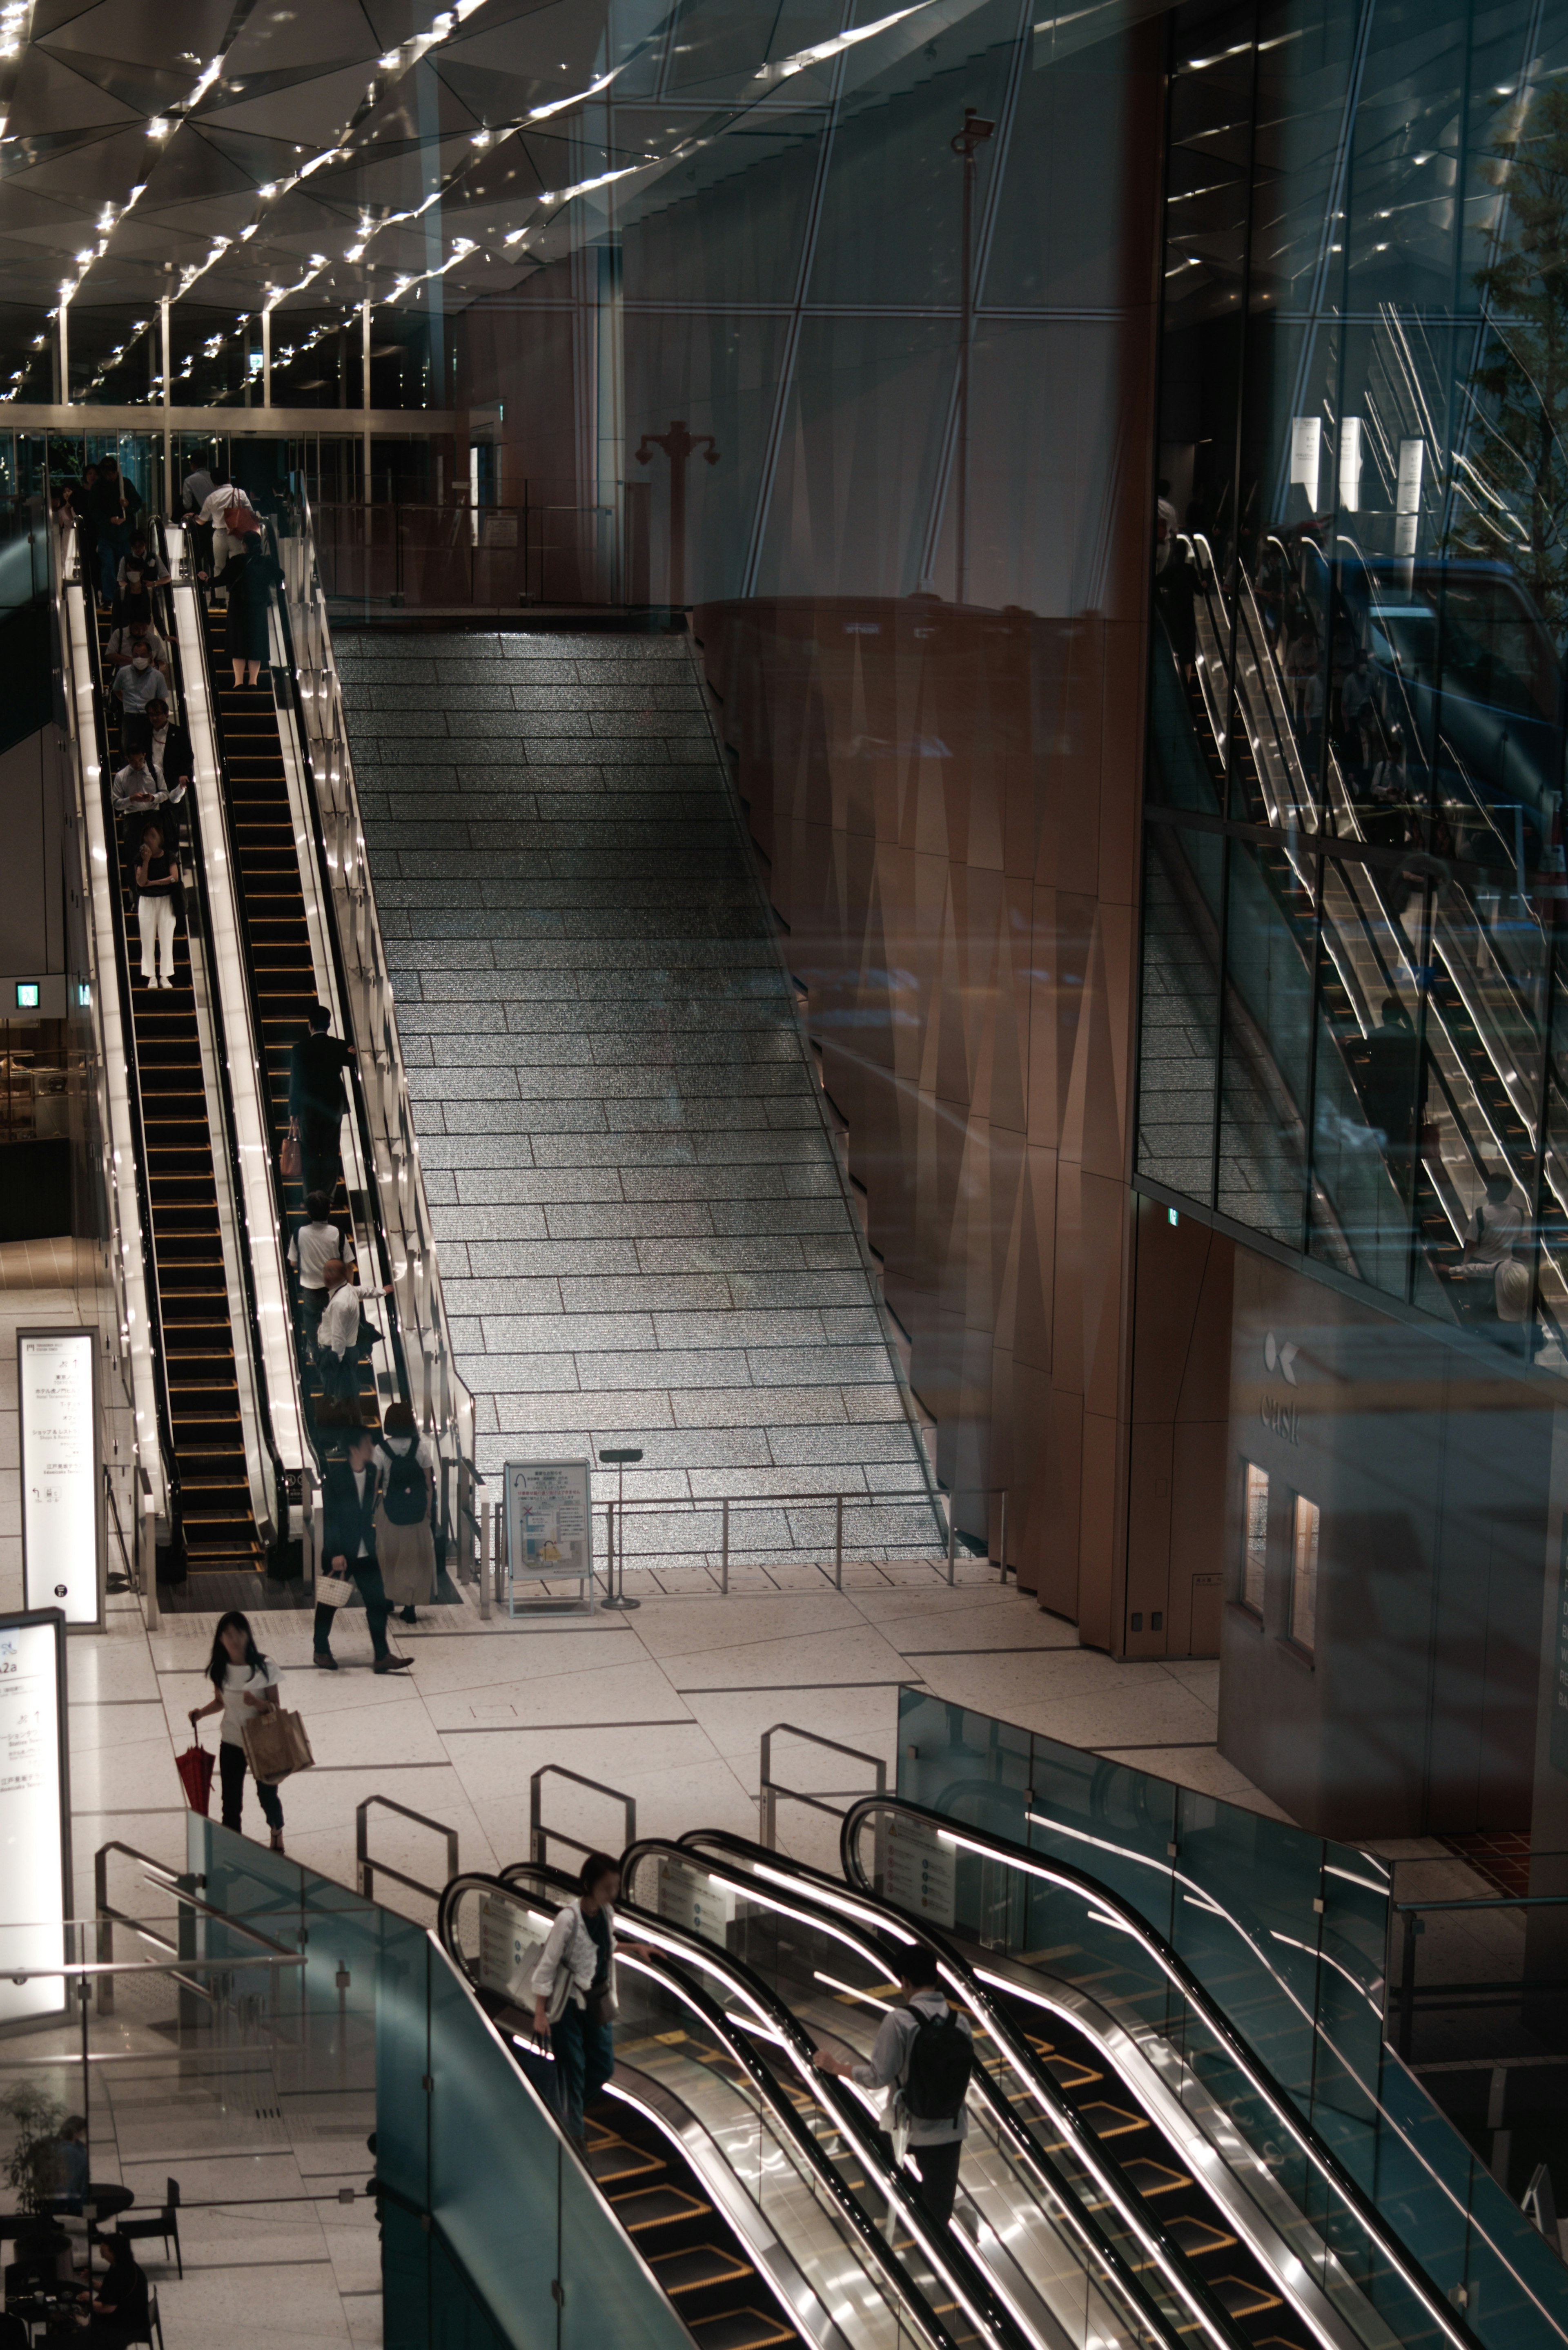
[(922, 2058), (405, 1542)]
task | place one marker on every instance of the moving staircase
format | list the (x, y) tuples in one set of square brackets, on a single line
[(210, 1486), (265, 851)]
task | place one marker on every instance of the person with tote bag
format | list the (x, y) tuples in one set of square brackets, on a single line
[(246, 1684), (405, 1538), (573, 1990)]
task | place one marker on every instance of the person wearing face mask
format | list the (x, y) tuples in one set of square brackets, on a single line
[(136, 685), (131, 636), (139, 557), (405, 1513)]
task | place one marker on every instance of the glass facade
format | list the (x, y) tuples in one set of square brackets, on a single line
[(1352, 999)]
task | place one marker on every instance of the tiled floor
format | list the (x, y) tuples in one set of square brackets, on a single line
[(644, 1237)]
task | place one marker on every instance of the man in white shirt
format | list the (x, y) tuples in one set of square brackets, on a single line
[(349, 1490), (137, 683), (338, 1347), (316, 1244), (934, 2140)]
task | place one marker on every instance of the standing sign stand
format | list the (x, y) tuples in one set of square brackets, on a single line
[(62, 1480), (34, 1817), (549, 1534)]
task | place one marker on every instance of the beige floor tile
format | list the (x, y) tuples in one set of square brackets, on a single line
[(798, 1661), (93, 1726), (686, 1627), (639, 1692), (735, 1722)]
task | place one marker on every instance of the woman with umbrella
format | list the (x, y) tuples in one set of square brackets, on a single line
[(248, 578)]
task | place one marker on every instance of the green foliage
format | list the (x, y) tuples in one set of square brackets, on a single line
[(1515, 486), (29, 2167)]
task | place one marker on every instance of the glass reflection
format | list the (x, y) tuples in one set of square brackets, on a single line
[(1360, 590)]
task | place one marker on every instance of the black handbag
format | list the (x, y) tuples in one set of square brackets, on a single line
[(598, 2008)]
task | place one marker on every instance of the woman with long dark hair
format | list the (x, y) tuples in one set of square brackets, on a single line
[(246, 1683)]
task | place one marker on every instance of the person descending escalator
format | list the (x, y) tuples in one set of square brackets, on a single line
[(574, 1989), (922, 2058), (248, 580)]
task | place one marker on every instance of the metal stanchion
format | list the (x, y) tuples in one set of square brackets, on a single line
[(724, 1551), (838, 1542), (618, 1459), (1004, 1534), (953, 1532), (485, 1599)]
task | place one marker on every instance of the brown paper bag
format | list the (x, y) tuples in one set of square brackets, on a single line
[(276, 1744)]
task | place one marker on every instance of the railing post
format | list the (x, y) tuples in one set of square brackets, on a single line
[(953, 1532), (364, 1874), (484, 1592), (105, 1932), (1004, 1534), (1407, 1988), (838, 1542), (724, 1551), (767, 1806)]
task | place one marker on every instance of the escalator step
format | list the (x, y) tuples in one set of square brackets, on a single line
[(741, 2329), (656, 2207), (703, 2264), (1150, 2178), (1197, 2239), (1241, 2298)]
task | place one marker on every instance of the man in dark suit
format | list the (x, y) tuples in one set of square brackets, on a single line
[(349, 1548), (316, 1100)]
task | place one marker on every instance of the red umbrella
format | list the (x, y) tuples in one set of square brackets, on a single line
[(195, 1769)]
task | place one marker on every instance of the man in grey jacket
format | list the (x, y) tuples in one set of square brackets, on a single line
[(935, 2144)]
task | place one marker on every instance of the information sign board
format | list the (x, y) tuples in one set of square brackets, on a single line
[(61, 1484), (922, 1871), (35, 1815), (549, 1521), (688, 1897)]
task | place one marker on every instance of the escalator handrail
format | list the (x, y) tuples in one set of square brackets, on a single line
[(224, 1065), (1095, 2158), (1258, 2074), (879, 2253), (115, 880), (327, 904), (994, 2323)]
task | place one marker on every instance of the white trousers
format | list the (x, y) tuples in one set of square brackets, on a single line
[(156, 916)]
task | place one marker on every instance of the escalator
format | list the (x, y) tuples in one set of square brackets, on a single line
[(269, 825), (773, 2141), (831, 1959), (748, 2184), (213, 1477)]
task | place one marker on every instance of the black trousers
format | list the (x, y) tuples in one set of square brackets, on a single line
[(232, 1768), (320, 1133), (378, 1608), (938, 2181)]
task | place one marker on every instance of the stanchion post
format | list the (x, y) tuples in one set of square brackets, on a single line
[(838, 1542), (953, 1532), (724, 1550), (485, 1601), (1004, 1534)]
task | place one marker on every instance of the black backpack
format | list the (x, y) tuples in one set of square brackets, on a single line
[(941, 2058), (406, 1497)]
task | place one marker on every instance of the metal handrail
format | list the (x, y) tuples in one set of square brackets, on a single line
[(366, 1869), (539, 1835), (1256, 2073), (107, 1918), (770, 1789), (95, 894), (383, 1107)]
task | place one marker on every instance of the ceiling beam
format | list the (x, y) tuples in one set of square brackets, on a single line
[(236, 423)]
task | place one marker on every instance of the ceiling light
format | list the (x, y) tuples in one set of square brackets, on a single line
[(270, 190), (158, 128), (391, 62)]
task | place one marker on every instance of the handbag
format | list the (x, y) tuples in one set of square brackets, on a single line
[(332, 1590), (290, 1160), (598, 2006), (276, 1744)]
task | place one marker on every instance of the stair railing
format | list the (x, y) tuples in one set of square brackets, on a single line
[(441, 1403)]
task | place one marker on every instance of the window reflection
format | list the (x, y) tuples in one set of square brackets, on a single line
[(1360, 606)]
